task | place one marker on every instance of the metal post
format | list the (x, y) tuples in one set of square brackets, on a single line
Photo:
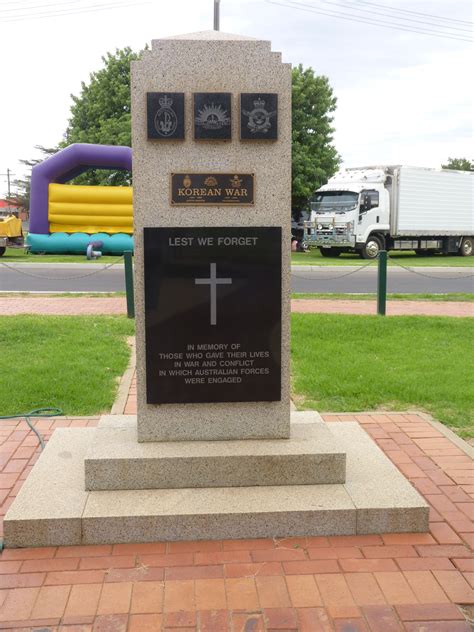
[(216, 14), (382, 283), (127, 255)]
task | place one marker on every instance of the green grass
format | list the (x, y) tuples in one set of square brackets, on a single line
[(313, 258), (344, 363), (339, 363), (71, 362), (453, 296), (18, 255)]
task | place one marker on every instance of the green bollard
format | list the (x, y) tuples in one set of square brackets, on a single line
[(382, 283), (127, 255)]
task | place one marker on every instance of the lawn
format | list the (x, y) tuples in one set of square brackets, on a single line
[(453, 296), (313, 258), (18, 255), (352, 363), (65, 361), (340, 363)]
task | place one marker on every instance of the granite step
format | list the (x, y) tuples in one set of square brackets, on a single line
[(117, 461)]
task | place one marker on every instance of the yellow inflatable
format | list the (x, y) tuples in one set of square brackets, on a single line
[(10, 226), (90, 209)]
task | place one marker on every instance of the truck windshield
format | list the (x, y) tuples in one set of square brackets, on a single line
[(334, 201)]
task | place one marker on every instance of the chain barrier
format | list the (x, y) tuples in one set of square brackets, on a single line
[(430, 276), (332, 278), (62, 278)]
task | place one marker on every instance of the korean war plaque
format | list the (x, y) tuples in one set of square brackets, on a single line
[(212, 116), (165, 115), (212, 314), (258, 116), (212, 188)]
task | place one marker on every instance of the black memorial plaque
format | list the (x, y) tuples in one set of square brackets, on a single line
[(165, 115), (258, 116), (212, 116), (212, 188), (213, 314)]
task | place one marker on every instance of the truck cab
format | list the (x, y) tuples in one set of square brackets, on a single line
[(346, 211)]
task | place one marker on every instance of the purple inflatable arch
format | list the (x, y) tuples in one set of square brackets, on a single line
[(65, 165)]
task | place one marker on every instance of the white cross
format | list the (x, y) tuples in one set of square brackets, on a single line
[(213, 282)]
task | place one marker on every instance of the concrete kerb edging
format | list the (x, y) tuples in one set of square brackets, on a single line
[(125, 381), (448, 433)]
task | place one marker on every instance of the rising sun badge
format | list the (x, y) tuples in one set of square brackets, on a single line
[(212, 116)]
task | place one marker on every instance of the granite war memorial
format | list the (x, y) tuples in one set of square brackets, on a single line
[(214, 450)]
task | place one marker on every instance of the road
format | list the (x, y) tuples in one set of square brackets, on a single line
[(58, 278)]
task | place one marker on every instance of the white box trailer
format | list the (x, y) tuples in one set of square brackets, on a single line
[(368, 209), (432, 202)]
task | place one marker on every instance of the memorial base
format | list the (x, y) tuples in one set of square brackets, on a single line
[(53, 508), (117, 461)]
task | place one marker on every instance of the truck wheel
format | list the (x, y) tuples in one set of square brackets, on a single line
[(2, 250), (330, 252), (467, 247), (371, 248)]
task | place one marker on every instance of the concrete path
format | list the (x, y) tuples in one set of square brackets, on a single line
[(76, 306), (415, 582)]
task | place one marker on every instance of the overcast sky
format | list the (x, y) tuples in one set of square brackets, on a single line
[(403, 97)]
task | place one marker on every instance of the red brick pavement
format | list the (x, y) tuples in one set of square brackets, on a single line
[(62, 305), (394, 308), (77, 306), (374, 583)]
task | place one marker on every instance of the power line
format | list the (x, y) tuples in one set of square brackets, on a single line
[(39, 6), (293, 5), (386, 15), (67, 12), (377, 21), (426, 15)]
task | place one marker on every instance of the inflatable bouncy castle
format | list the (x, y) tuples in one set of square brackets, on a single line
[(66, 218)]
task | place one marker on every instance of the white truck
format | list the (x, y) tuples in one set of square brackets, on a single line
[(369, 209)]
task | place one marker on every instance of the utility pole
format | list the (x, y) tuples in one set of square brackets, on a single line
[(8, 174), (216, 14)]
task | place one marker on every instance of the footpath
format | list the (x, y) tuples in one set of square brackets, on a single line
[(78, 306), (410, 582)]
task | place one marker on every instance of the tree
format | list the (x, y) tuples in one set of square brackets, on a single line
[(461, 164), (101, 114), (315, 158)]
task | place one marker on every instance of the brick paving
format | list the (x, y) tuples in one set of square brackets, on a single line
[(372, 583), (394, 308), (62, 305), (77, 306)]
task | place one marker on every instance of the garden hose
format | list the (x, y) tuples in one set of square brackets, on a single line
[(38, 412)]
